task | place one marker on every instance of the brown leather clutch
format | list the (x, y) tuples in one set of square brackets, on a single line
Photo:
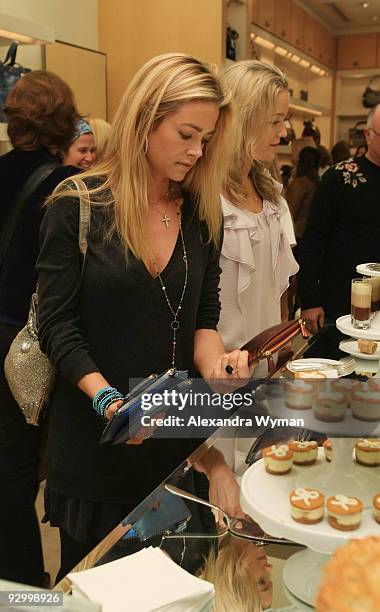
[(271, 340)]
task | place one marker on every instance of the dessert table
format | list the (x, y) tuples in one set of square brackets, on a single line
[(297, 552)]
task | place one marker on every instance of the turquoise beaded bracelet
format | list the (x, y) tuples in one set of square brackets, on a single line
[(104, 398)]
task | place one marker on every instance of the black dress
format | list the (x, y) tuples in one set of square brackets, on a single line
[(19, 442), (117, 322)]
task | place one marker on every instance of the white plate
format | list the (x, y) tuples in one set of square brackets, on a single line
[(300, 605), (363, 269), (351, 347), (345, 326), (302, 575), (316, 360)]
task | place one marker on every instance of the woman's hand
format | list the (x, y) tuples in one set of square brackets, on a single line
[(231, 371), (112, 409), (143, 433), (224, 492)]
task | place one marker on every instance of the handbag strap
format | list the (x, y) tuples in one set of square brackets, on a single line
[(83, 232), (34, 181), (84, 216), (11, 54)]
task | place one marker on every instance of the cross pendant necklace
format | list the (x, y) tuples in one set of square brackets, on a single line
[(165, 220)]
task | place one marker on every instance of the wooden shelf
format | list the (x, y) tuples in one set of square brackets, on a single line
[(353, 112), (302, 107)]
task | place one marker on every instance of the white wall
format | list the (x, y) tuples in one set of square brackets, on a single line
[(74, 21)]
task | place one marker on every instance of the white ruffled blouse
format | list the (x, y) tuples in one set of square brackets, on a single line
[(256, 262)]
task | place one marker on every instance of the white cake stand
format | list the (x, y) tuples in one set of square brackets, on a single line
[(266, 499), (366, 271), (373, 333)]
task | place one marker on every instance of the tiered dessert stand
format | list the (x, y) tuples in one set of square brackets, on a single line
[(363, 363), (265, 497)]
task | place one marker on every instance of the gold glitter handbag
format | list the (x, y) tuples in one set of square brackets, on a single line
[(29, 373)]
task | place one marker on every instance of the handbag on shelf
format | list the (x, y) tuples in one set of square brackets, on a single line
[(271, 340), (356, 136), (371, 96), (290, 133), (29, 373), (10, 73)]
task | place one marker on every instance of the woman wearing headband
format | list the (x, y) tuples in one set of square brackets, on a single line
[(82, 150)]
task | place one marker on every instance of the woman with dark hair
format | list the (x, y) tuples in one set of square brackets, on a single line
[(340, 152), (325, 160), (301, 190), (41, 115)]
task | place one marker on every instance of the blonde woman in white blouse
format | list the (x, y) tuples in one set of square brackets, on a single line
[(257, 259)]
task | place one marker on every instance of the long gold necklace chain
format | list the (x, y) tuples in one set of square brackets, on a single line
[(175, 323)]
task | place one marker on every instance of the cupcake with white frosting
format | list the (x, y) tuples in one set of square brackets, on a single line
[(307, 505), (304, 453), (278, 459), (330, 406), (299, 394), (367, 452), (365, 405), (344, 513)]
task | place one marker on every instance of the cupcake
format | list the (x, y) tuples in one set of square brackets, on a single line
[(327, 447), (278, 459), (365, 404), (345, 386), (330, 406), (307, 506), (298, 394), (344, 513), (304, 453), (376, 507), (367, 452)]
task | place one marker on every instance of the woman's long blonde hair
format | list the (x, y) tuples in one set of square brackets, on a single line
[(159, 88), (229, 571), (254, 87)]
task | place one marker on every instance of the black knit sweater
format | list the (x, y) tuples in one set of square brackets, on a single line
[(117, 322), (343, 231)]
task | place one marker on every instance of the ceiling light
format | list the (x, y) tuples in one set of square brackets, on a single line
[(315, 69), (252, 36), (281, 51), (375, 18), (304, 63), (365, 4), (22, 38), (295, 58), (264, 43), (322, 73)]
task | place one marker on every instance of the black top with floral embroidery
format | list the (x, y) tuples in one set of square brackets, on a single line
[(343, 231)]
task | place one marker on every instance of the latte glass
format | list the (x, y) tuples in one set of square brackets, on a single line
[(361, 298)]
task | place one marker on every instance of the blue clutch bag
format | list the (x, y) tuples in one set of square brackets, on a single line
[(126, 421)]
